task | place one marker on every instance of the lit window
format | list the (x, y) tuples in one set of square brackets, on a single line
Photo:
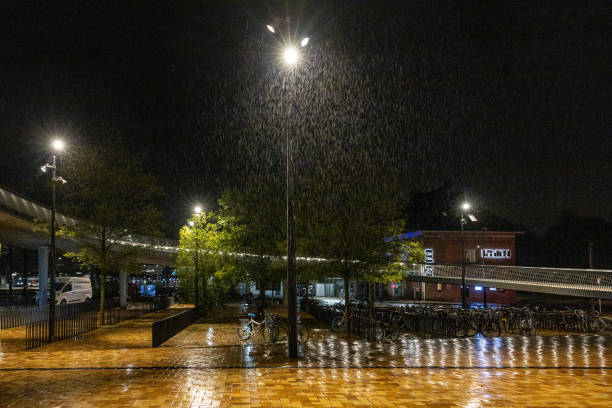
[(479, 288), (493, 289), (439, 287)]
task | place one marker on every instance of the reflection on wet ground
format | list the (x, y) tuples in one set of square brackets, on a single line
[(206, 365)]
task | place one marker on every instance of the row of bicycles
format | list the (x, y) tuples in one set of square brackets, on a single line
[(271, 328), (450, 321)]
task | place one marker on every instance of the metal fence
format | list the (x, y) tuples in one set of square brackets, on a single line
[(74, 320), (14, 316), (431, 325), (66, 326), (116, 315), (164, 329)]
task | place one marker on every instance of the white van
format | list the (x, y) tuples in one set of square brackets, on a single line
[(72, 290)]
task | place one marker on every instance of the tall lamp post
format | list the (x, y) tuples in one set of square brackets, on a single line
[(464, 207), (57, 145), (290, 57), (197, 211)]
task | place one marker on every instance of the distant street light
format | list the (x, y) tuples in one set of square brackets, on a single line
[(58, 145), (197, 211), (464, 207), (290, 56)]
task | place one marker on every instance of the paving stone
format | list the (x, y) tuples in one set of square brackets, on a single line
[(207, 366)]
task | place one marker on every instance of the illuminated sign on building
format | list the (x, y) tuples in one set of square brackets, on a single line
[(429, 260), (495, 253)]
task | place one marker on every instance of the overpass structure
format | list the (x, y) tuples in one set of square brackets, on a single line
[(17, 214), (593, 283)]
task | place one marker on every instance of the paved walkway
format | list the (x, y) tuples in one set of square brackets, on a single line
[(206, 365)]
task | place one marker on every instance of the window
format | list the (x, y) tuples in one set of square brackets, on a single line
[(67, 288), (470, 256), (439, 287)]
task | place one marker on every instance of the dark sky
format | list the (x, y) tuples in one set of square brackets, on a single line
[(508, 101)]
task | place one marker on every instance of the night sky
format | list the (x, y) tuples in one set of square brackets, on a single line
[(507, 101)]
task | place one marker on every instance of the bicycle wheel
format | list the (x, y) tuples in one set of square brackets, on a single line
[(398, 321), (470, 329), (271, 332), (244, 330), (338, 323), (303, 333), (379, 333), (492, 329)]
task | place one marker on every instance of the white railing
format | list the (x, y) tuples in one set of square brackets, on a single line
[(561, 281)]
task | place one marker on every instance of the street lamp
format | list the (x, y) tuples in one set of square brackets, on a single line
[(197, 211), (464, 207), (58, 145), (290, 57)]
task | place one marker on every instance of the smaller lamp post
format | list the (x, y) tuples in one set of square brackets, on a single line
[(197, 211), (464, 207), (57, 145)]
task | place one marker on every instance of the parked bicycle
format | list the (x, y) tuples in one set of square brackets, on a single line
[(303, 332), (250, 327)]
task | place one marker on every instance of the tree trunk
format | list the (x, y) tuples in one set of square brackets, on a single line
[(347, 300), (102, 295), (25, 273), (9, 271), (205, 302), (262, 295), (371, 299)]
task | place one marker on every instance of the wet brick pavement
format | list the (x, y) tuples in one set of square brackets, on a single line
[(206, 366)]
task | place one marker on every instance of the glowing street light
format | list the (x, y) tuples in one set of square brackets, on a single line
[(464, 207), (290, 56), (57, 145), (197, 210)]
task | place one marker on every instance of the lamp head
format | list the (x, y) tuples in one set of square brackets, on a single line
[(304, 42), (191, 223), (290, 56), (58, 145), (465, 206), (270, 28), (197, 209)]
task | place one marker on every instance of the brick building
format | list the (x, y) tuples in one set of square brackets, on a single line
[(444, 247)]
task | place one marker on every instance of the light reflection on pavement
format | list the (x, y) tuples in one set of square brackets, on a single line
[(206, 365)]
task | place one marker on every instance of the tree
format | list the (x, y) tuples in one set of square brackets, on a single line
[(350, 215), (113, 199), (204, 257), (259, 218)]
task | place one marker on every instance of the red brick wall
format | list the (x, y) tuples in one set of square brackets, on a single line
[(447, 250)]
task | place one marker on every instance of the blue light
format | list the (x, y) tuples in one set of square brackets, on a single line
[(493, 289), (405, 235), (479, 288)]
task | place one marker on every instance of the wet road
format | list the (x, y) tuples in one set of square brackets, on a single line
[(206, 365)]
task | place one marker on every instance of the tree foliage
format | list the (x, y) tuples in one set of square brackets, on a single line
[(113, 200), (205, 249)]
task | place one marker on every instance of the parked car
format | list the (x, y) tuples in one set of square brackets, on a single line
[(72, 290)]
